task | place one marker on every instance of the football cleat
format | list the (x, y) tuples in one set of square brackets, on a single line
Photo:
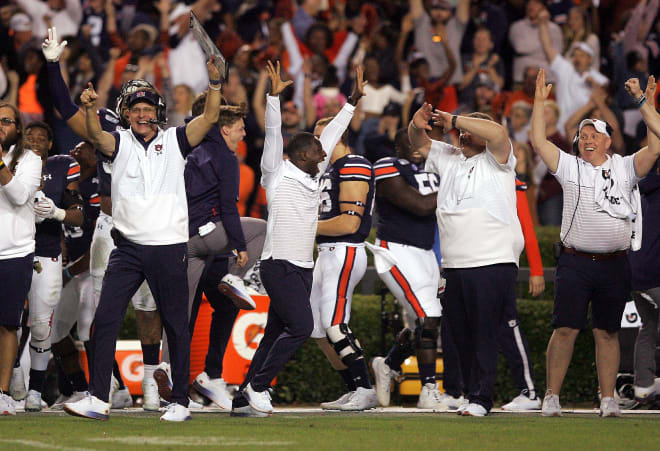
[(609, 408), (17, 384), (33, 401), (336, 405), (122, 399), (7, 406), (259, 400), (474, 410), (430, 398), (163, 377), (551, 407), (383, 376), (150, 396), (361, 399)]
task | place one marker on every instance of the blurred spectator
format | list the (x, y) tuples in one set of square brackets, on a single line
[(242, 65), (578, 29), (524, 38), (549, 192), (33, 95), (382, 47), (94, 25), (575, 79), (328, 100), (233, 90), (597, 108), (65, 15), (518, 121), (21, 27), (246, 179), (484, 13), (181, 106), (481, 63), (638, 26), (380, 143), (305, 17), (437, 92), (435, 22)]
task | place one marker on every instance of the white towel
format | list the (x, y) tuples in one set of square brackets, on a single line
[(384, 259), (610, 197)]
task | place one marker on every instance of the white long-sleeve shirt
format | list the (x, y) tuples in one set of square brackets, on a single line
[(292, 194), (67, 20), (16, 216)]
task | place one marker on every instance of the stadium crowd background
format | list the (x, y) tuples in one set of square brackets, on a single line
[(485, 58)]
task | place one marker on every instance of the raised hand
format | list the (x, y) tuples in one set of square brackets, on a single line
[(358, 88), (633, 88), (442, 119), (650, 91), (51, 48), (212, 69), (542, 90), (422, 117), (89, 96), (276, 83)]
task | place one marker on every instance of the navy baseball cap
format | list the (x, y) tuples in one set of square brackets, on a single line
[(143, 96)]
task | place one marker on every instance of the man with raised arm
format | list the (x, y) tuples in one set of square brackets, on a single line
[(601, 220), (293, 193), (480, 238), (150, 216)]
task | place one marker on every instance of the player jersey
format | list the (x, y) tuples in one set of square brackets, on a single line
[(78, 239), (396, 224), (59, 172), (109, 123), (349, 168)]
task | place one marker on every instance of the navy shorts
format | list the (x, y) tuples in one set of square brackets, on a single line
[(580, 280), (17, 277)]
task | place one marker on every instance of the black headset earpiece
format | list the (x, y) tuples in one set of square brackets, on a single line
[(576, 138)]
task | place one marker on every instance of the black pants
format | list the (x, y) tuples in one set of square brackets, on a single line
[(223, 316), (511, 341), (475, 299), (290, 321), (164, 268)]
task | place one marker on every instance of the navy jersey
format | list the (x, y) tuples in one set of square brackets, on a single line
[(59, 172), (78, 239), (349, 168), (396, 224)]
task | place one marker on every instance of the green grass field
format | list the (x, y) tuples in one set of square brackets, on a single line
[(331, 431)]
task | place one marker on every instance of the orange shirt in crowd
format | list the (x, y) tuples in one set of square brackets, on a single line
[(27, 97)]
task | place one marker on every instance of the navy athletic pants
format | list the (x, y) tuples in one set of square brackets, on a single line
[(475, 299), (164, 268), (290, 321)]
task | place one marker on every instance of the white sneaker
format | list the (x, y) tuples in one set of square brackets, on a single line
[(17, 384), (176, 412), (361, 399), (89, 407), (114, 386), (523, 402), (233, 287), (335, 405), (122, 399), (214, 389), (463, 407), (383, 376), (7, 406), (430, 398), (163, 377), (644, 395), (259, 400), (150, 396), (474, 410), (33, 401), (609, 408), (63, 399), (453, 403), (551, 407)]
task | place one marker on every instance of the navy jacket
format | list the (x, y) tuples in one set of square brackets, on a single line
[(645, 263), (212, 178)]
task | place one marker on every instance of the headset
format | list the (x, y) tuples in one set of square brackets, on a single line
[(132, 86)]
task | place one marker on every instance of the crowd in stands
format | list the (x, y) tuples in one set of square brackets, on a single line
[(458, 55)]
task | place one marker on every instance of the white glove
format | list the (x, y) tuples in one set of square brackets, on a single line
[(46, 209), (50, 48)]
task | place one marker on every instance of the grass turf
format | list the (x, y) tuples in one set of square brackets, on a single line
[(330, 431)]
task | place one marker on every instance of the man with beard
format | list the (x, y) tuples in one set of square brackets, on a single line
[(20, 176)]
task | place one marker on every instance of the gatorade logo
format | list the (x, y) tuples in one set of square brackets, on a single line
[(248, 332), (132, 368)]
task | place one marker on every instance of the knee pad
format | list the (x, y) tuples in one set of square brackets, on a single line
[(40, 331), (344, 342), (426, 333)]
